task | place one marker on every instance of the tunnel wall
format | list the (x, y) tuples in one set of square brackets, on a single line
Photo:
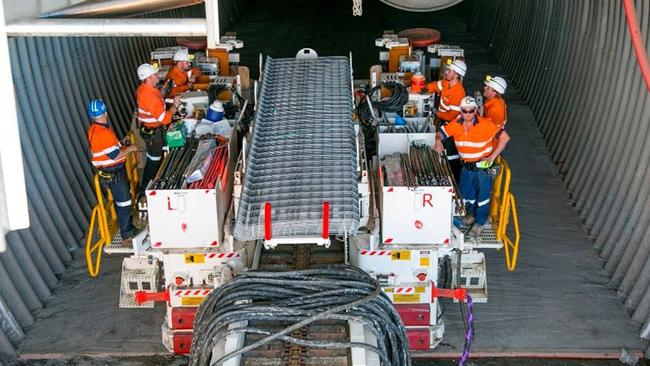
[(574, 63), (54, 78)]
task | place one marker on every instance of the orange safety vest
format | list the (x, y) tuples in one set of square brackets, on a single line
[(151, 107), (180, 79), (450, 98), (496, 110), (102, 142), (477, 143)]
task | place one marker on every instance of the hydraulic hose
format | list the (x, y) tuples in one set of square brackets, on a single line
[(637, 41)]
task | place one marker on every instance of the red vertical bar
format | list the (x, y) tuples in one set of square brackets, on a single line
[(267, 221), (326, 220)]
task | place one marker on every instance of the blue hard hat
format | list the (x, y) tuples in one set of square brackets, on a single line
[(96, 108)]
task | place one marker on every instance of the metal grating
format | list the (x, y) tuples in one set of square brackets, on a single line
[(303, 151)]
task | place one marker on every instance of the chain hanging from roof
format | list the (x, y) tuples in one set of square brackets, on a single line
[(357, 9)]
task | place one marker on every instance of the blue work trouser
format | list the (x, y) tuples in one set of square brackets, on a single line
[(119, 186), (476, 189)]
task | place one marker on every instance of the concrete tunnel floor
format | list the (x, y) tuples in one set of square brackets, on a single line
[(556, 301)]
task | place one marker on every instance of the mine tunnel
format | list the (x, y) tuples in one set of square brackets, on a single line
[(578, 117)]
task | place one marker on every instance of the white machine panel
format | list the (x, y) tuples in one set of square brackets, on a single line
[(186, 218)]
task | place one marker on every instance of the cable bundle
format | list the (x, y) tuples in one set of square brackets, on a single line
[(393, 104), (338, 292)]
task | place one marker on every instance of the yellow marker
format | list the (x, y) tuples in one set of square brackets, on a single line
[(400, 255), (420, 290), (424, 261), (192, 301), (403, 298), (194, 258)]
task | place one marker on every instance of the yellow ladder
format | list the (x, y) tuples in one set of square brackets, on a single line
[(503, 207), (103, 216)]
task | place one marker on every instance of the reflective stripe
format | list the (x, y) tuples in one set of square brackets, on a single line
[(140, 110), (476, 155), (469, 201), (106, 151), (473, 144), (108, 162), (147, 120), (483, 203), (454, 108), (162, 116), (443, 105), (453, 157), (153, 158), (123, 204), (440, 85), (444, 132)]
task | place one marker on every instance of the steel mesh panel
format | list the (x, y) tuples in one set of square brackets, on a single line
[(303, 151)]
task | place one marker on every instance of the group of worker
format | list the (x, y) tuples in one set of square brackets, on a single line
[(472, 141), (109, 154)]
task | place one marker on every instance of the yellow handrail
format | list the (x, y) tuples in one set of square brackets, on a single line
[(503, 204), (104, 215)]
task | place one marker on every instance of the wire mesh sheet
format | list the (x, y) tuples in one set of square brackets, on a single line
[(303, 151)]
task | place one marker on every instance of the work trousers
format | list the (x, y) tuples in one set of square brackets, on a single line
[(155, 142), (119, 186), (476, 189)]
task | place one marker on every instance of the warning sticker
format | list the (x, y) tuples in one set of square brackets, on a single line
[(402, 298), (388, 289), (400, 255), (424, 261), (192, 300), (420, 290), (194, 258)]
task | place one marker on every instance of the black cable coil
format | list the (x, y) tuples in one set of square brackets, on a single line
[(335, 292), (394, 104)]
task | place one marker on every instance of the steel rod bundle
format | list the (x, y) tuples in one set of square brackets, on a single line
[(216, 170), (336, 292)]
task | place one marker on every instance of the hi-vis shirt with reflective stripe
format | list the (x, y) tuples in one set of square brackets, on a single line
[(495, 109), (477, 143), (103, 145), (180, 80), (450, 97), (151, 107)]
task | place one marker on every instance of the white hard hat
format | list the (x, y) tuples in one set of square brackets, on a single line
[(468, 102), (458, 67), (182, 54), (496, 83), (146, 70)]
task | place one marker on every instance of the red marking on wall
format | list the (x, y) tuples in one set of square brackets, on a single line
[(418, 224), (157, 244), (390, 189), (211, 255), (446, 241), (184, 227), (389, 240), (213, 244), (152, 193)]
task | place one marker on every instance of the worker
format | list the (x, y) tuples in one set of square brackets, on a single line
[(451, 92), (109, 157), (495, 106), (152, 119), (473, 136), (183, 76)]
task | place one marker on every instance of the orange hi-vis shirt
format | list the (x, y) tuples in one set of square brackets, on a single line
[(496, 110), (104, 146), (151, 107), (477, 143), (450, 97), (180, 79)]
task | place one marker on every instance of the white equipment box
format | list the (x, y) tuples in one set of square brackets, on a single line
[(413, 215)]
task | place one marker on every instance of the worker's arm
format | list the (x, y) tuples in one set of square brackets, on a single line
[(440, 137), (435, 86), (125, 150), (502, 142)]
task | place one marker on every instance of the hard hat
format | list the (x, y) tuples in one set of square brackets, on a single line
[(146, 70), (96, 108), (468, 102), (457, 66), (182, 54), (497, 83)]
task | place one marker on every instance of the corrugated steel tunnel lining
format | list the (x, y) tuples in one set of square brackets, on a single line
[(573, 62), (558, 54)]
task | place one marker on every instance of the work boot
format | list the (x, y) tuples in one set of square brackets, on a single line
[(468, 220), (475, 231), (127, 243)]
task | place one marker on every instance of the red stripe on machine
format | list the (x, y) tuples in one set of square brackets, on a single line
[(389, 240)]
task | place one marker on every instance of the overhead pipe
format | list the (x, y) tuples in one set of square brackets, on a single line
[(129, 27), (637, 40), (94, 8)]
